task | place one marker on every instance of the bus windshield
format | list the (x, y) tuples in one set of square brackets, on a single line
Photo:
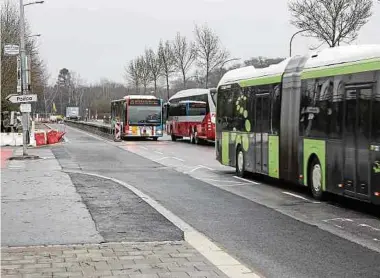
[(144, 115)]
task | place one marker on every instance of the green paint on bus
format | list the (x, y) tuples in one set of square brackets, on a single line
[(273, 155), (225, 148), (317, 148), (347, 68), (260, 81)]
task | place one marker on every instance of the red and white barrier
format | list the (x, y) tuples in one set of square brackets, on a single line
[(117, 134)]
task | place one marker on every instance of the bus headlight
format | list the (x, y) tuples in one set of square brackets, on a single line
[(159, 131)]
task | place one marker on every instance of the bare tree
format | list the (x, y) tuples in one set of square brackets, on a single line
[(184, 54), (210, 53), (9, 17), (145, 75), (168, 62), (154, 65), (331, 21), (134, 74)]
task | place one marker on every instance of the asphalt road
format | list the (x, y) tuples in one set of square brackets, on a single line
[(266, 227)]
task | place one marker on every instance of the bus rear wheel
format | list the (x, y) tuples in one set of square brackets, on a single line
[(315, 179), (240, 162)]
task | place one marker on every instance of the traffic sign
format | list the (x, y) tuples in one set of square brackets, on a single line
[(11, 49), (21, 98), (25, 107)]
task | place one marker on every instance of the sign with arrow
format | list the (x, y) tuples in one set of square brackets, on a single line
[(21, 98)]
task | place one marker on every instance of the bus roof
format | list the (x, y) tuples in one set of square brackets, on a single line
[(329, 57), (189, 92), (140, 97), (343, 54), (135, 97), (191, 101), (247, 73)]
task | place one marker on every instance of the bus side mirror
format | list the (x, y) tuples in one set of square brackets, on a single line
[(213, 93)]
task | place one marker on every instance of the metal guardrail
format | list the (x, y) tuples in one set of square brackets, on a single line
[(104, 130)]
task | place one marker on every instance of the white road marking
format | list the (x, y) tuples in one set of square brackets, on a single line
[(234, 182), (340, 227), (239, 178), (200, 167), (145, 148), (176, 158), (339, 219), (369, 226), (375, 239), (221, 259), (162, 158), (158, 152), (296, 196)]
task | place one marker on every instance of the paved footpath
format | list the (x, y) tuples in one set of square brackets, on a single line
[(134, 260), (50, 228)]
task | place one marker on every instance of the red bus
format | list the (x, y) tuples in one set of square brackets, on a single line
[(191, 113), (141, 116)]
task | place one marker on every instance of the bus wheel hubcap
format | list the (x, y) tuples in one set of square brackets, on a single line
[(317, 177), (240, 161)]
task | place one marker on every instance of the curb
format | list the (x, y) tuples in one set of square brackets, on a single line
[(219, 258)]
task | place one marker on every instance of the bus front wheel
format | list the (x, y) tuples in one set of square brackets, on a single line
[(315, 178), (240, 162), (174, 138)]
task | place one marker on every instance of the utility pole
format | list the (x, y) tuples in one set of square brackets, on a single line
[(24, 85)]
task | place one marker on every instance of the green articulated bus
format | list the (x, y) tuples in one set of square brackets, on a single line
[(312, 120)]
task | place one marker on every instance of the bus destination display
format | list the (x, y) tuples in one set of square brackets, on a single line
[(146, 102)]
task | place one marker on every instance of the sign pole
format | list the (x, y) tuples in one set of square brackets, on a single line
[(24, 86)]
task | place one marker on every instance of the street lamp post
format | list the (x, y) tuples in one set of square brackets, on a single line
[(24, 84), (225, 62), (35, 35), (291, 40)]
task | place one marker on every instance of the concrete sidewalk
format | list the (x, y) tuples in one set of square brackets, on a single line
[(40, 204), (50, 228)]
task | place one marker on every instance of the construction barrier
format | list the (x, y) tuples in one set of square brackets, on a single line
[(53, 136), (118, 127), (40, 137)]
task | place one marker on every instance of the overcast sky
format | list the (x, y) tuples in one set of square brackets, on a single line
[(96, 38)]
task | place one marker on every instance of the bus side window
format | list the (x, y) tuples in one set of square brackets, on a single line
[(336, 106), (226, 109), (276, 109)]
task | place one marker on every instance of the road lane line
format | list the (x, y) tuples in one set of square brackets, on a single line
[(176, 158), (158, 152), (200, 167), (162, 158), (145, 148), (339, 219), (239, 178), (296, 196), (369, 226), (219, 258), (340, 227)]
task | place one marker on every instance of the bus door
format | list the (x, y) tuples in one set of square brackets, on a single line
[(356, 153), (262, 130)]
